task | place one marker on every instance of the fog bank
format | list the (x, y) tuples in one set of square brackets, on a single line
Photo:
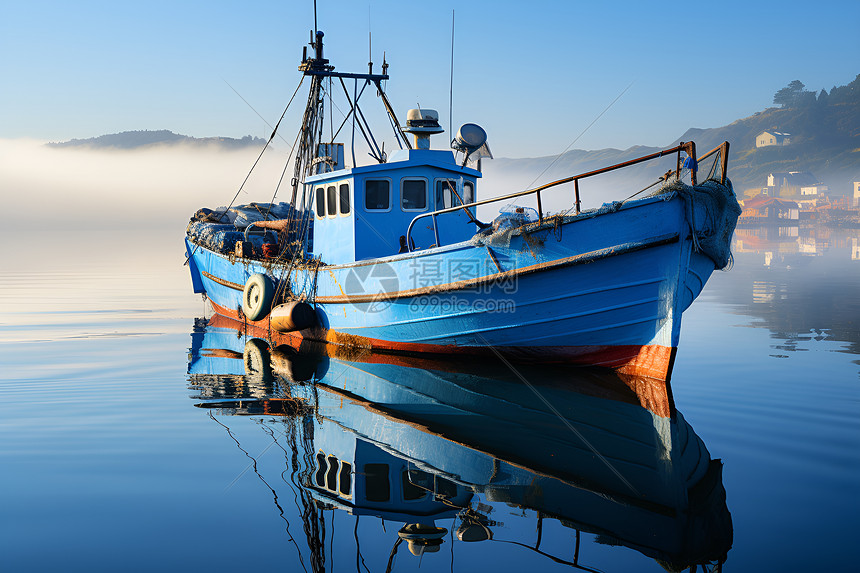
[(153, 187)]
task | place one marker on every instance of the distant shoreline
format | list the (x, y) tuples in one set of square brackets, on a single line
[(146, 138)]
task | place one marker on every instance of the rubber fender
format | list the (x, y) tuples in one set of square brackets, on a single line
[(292, 365), (257, 296), (293, 316)]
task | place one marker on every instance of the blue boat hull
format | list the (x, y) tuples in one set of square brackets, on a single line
[(605, 288)]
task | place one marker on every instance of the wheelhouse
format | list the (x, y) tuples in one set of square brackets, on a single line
[(364, 212)]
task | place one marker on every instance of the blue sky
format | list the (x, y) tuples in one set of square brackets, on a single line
[(534, 74)]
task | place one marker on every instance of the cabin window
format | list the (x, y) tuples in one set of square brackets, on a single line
[(376, 484), (445, 488), (377, 194), (445, 196), (343, 192), (411, 491), (413, 194), (421, 479), (468, 192), (345, 478), (319, 477), (331, 195), (331, 474), (320, 202)]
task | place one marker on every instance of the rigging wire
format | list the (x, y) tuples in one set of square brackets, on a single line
[(359, 558), (352, 110), (331, 114), (295, 479), (356, 113), (254, 110), (262, 479), (281, 179), (265, 147), (581, 134), (394, 127)]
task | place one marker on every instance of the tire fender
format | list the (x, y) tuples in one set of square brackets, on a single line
[(256, 357), (257, 296)]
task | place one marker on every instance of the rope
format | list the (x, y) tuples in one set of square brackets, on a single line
[(661, 180), (641, 191), (453, 188)]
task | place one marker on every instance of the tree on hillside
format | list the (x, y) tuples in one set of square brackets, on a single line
[(793, 95), (846, 94)]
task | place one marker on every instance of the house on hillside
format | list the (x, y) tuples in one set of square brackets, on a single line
[(810, 194), (790, 183), (768, 138), (763, 209)]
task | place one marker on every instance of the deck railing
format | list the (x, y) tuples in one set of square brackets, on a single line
[(688, 147)]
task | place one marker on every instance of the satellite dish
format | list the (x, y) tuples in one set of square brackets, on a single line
[(472, 138)]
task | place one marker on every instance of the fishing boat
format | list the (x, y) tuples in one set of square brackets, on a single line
[(393, 256), (426, 443)]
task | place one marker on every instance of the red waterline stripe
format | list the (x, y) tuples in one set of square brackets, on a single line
[(650, 361)]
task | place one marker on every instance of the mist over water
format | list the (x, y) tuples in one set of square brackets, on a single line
[(87, 189), (106, 459), (142, 188)]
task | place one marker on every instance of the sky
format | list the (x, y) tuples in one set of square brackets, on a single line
[(534, 74)]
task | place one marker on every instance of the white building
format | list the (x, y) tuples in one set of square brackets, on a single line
[(809, 195), (768, 138), (816, 189)]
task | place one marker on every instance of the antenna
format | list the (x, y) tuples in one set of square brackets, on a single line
[(315, 17), (451, 82), (369, 43)]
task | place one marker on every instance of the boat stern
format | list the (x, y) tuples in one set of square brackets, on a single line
[(196, 279)]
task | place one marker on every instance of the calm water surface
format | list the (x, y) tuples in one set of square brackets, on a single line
[(139, 436)]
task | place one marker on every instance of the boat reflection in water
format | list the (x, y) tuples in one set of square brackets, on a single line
[(419, 441)]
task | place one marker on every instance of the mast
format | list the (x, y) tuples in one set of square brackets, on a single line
[(315, 67), (318, 68)]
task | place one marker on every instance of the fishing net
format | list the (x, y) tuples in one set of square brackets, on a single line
[(712, 211), (222, 238), (221, 228), (253, 212), (510, 219), (242, 215)]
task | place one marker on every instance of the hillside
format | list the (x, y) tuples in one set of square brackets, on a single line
[(144, 138), (825, 140)]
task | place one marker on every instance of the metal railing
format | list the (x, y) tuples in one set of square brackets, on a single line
[(688, 147)]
